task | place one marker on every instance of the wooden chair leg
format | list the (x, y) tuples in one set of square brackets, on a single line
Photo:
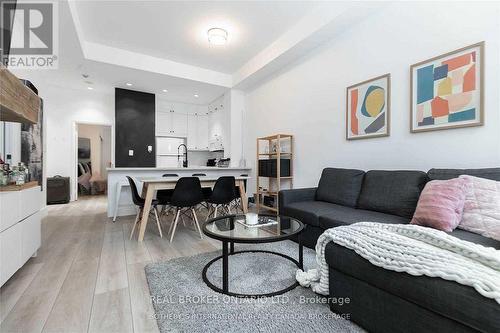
[(195, 218), (137, 218), (174, 225), (158, 222)]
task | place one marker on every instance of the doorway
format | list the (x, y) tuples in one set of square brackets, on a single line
[(93, 157)]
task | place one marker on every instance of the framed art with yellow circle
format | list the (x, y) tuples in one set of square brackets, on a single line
[(368, 106)]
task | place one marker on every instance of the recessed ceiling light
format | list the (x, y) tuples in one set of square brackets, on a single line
[(196, 95), (217, 36), (90, 88), (129, 84), (165, 90)]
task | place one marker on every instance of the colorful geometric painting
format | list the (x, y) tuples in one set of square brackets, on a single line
[(368, 107), (447, 90)]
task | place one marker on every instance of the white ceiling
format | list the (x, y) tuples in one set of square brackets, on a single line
[(116, 42), (103, 77), (176, 30)]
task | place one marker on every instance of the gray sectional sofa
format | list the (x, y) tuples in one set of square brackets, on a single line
[(383, 300)]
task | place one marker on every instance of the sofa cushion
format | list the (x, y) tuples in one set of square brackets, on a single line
[(392, 192), (340, 186), (481, 213), (447, 298), (308, 212), (441, 204), (444, 174), (346, 215)]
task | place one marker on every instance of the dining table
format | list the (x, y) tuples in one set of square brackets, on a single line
[(150, 185)]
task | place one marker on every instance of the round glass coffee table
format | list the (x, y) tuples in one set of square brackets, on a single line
[(251, 229)]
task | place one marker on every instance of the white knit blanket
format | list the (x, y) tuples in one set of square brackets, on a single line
[(412, 249)]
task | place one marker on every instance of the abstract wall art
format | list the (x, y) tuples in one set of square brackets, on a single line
[(368, 108), (447, 91)]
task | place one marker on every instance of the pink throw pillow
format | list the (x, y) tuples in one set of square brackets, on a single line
[(482, 207), (441, 204)]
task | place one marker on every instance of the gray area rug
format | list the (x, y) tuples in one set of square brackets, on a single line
[(184, 303)]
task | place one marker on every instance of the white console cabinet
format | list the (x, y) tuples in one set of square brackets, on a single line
[(20, 228)]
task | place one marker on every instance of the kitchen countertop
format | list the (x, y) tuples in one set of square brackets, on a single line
[(177, 169)]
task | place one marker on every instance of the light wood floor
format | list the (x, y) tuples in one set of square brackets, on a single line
[(88, 276)]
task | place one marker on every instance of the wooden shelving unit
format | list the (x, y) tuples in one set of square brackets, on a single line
[(273, 145)]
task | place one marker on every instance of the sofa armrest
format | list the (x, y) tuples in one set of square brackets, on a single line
[(286, 197)]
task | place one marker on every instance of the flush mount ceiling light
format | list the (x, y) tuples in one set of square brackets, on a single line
[(129, 84), (217, 36), (196, 96), (165, 90), (90, 88)]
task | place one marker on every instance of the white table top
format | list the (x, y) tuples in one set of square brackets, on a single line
[(175, 179)]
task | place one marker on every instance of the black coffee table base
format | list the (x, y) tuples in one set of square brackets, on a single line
[(225, 271)]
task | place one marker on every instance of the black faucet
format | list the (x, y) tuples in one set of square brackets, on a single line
[(185, 162)]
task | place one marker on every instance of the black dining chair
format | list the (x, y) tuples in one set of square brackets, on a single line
[(187, 195), (164, 196), (222, 195), (139, 202), (207, 191)]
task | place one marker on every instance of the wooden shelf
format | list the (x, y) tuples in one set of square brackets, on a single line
[(10, 188), (274, 144), (274, 154), (17, 102), (276, 136), (289, 177), (268, 193), (274, 209)]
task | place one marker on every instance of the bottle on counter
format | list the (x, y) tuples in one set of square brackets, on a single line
[(4, 179), (21, 177), (13, 174)]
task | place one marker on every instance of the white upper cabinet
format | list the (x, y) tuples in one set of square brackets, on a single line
[(202, 140), (179, 124), (215, 121), (192, 136), (171, 123), (199, 124), (164, 123), (197, 137)]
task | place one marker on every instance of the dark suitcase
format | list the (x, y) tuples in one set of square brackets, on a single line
[(57, 190)]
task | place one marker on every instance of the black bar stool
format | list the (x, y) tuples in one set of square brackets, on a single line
[(187, 194), (139, 202), (223, 194)]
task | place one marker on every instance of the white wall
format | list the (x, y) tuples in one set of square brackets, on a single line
[(307, 99), (63, 107)]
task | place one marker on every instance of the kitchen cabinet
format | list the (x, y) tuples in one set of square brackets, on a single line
[(10, 252), (171, 123), (197, 138), (20, 233)]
